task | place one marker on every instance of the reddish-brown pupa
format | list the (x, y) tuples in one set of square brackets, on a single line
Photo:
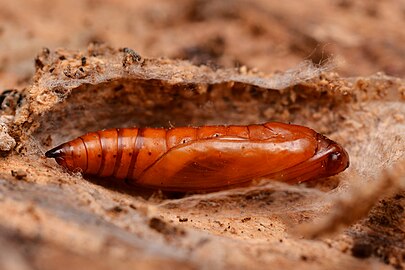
[(204, 158)]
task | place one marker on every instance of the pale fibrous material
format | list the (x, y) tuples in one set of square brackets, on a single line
[(246, 226)]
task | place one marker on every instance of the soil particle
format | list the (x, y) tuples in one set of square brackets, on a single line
[(362, 250), (19, 174), (162, 227)]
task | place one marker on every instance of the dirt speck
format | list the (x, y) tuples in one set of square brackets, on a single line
[(19, 174), (164, 228), (362, 250)]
